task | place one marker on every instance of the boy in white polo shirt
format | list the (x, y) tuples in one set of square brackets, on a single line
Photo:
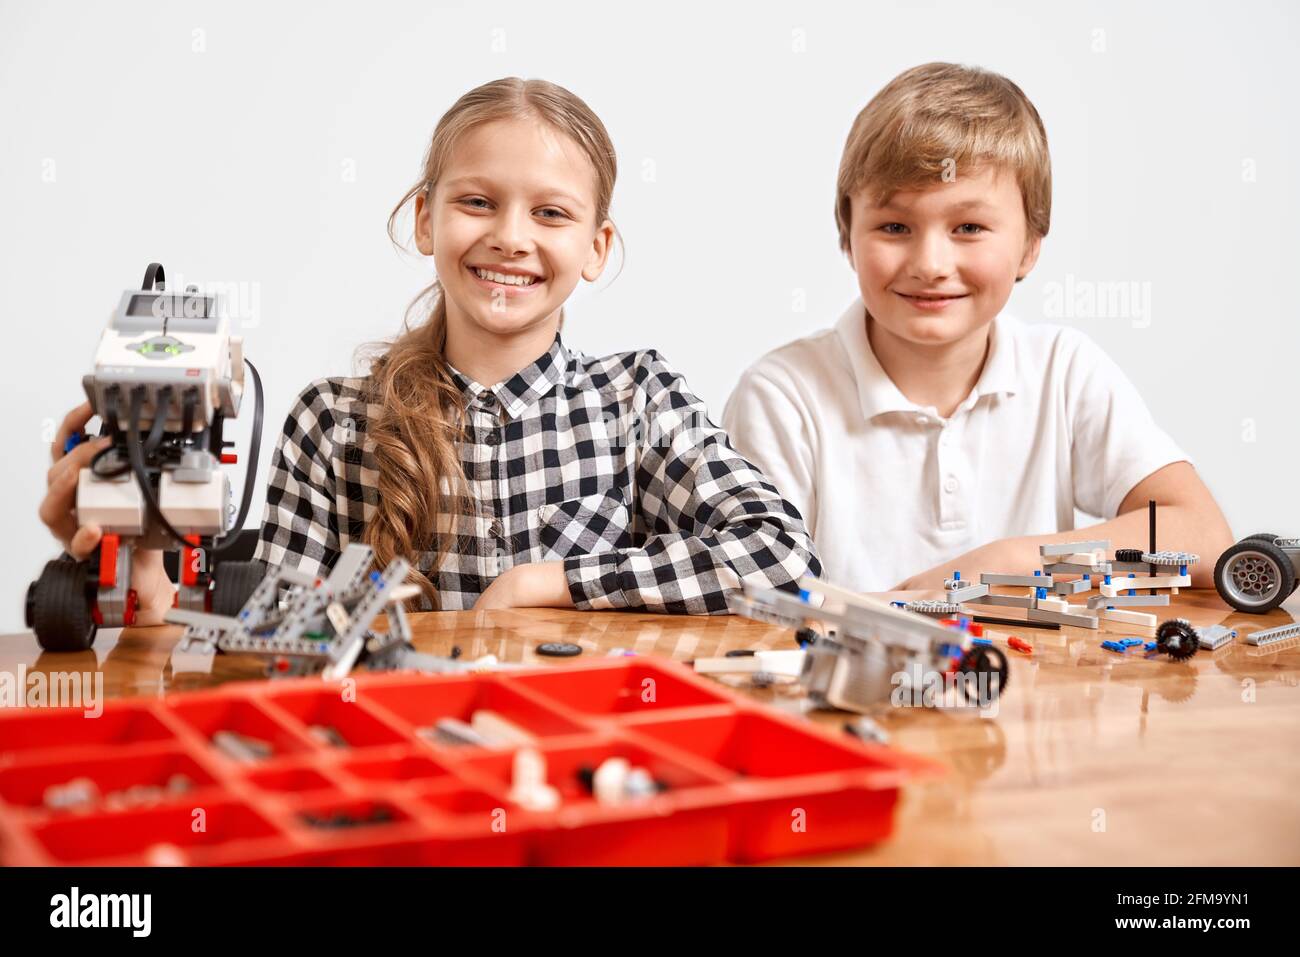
[(928, 431)]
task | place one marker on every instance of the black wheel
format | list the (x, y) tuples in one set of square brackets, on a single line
[(983, 660), (1265, 536), (1128, 554), (1177, 639), (1254, 576), (59, 606), (233, 584)]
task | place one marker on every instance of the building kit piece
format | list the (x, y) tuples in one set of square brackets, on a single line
[(1036, 580), (528, 786), (1010, 601), (868, 650), (1258, 573), (240, 747), (1069, 568), (1072, 586), (1062, 618), (168, 376), (498, 730), (1272, 636), (1125, 617), (1177, 638), (1019, 644), (1070, 548), (1127, 601), (1214, 637), (323, 626), (1121, 586)]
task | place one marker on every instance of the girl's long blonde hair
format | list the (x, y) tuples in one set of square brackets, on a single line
[(420, 418)]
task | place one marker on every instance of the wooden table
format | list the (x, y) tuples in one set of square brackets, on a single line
[(1094, 758)]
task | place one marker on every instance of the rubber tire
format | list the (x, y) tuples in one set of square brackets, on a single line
[(1285, 570), (60, 603), (1264, 536), (233, 584)]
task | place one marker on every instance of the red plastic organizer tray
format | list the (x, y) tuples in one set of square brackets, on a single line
[(745, 781)]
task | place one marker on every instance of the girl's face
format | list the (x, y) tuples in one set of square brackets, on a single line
[(511, 225)]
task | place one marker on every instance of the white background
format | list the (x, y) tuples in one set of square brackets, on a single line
[(265, 143)]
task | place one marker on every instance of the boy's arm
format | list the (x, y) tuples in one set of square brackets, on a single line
[(1187, 520)]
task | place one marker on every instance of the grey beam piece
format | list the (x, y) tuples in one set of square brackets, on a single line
[(1072, 587), (350, 568), (1061, 618), (1027, 581), (1215, 637), (1058, 568), (1069, 548), (199, 619), (1010, 601), (1117, 568), (1127, 601), (292, 576), (968, 593), (1273, 635)]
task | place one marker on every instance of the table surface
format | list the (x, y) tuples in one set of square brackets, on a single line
[(1093, 759)]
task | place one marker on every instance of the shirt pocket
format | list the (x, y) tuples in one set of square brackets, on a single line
[(584, 526)]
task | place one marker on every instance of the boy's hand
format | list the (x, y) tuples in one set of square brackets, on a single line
[(535, 585), (992, 557)]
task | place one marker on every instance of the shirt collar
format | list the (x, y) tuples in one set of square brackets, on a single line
[(523, 388), (877, 393)]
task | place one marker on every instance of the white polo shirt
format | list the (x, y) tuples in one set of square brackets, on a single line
[(889, 489)]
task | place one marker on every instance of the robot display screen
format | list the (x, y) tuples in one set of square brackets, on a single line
[(172, 307)]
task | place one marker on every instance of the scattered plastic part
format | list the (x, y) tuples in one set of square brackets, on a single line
[(559, 649), (528, 786), (1115, 646), (867, 729), (1020, 644), (239, 747), (1177, 639)]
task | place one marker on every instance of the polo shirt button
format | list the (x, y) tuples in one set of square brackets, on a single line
[(950, 484), (493, 437)]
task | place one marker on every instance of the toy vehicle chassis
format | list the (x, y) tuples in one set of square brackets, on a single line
[(1258, 573)]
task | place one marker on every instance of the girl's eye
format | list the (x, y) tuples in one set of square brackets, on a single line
[(474, 202), (976, 229)]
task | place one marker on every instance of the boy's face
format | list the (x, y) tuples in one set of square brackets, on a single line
[(965, 241), (511, 226)]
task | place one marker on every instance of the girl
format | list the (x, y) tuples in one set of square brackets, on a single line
[(512, 471)]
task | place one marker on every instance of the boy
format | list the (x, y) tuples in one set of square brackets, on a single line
[(927, 431)]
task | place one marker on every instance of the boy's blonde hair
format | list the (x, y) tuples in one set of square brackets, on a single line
[(944, 118)]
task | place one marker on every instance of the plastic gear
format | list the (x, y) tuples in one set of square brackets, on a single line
[(934, 607), (984, 659), (1170, 558), (1177, 639), (1128, 554)]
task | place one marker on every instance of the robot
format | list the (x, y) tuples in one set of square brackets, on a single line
[(1258, 573), (167, 376), (869, 651), (322, 625)]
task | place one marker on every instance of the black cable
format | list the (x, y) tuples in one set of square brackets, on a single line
[(250, 474), (135, 453), (153, 277), (162, 405), (94, 463)]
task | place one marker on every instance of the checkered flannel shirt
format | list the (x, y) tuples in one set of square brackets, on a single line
[(608, 465)]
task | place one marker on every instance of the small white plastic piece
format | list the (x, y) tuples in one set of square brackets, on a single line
[(609, 783), (115, 505), (528, 786), (498, 730)]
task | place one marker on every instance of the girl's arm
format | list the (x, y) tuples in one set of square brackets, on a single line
[(714, 519)]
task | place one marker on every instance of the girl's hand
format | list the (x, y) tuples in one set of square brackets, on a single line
[(153, 589), (535, 585)]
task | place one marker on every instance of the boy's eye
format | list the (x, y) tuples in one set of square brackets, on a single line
[(975, 229), (889, 229), (552, 212)]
